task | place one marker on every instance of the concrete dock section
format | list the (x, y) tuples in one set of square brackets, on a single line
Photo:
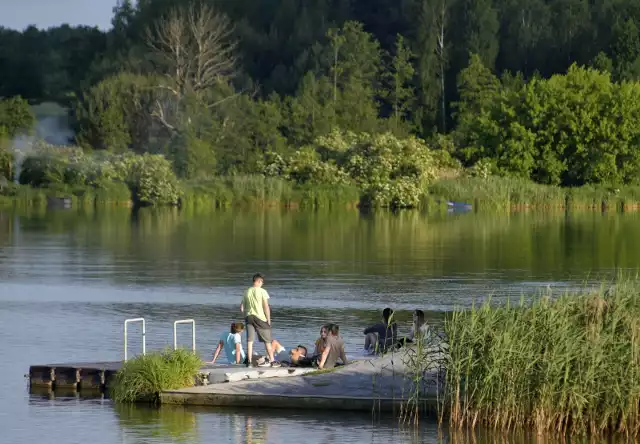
[(381, 383)]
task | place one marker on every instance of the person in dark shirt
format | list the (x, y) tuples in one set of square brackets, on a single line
[(381, 336)]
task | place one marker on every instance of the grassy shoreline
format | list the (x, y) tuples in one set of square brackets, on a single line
[(513, 194), (493, 194)]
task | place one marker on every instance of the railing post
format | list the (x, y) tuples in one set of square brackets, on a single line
[(193, 333), (144, 335)]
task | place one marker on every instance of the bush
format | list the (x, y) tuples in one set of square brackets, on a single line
[(152, 181), (150, 178), (144, 377), (390, 172)]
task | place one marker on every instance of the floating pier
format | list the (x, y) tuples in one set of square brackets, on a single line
[(366, 384), (96, 375), (378, 384)]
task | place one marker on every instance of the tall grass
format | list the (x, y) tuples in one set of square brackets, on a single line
[(567, 366), (261, 191), (144, 377), (112, 193), (505, 193)]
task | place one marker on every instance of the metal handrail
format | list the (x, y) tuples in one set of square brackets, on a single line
[(144, 336), (193, 332)]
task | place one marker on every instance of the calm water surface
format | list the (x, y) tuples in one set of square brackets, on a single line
[(69, 280)]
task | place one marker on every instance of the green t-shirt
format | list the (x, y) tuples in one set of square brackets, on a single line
[(253, 302)]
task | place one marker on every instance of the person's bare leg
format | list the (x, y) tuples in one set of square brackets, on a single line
[(249, 350), (276, 345), (269, 348)]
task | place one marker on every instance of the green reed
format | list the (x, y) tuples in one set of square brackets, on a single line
[(261, 191), (506, 193), (144, 377), (569, 365)]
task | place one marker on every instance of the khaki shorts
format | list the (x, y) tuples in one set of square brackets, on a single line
[(255, 325)]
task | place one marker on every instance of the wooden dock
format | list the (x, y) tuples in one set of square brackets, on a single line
[(92, 376)]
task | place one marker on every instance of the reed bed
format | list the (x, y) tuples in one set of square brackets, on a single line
[(565, 366), (509, 193), (260, 191), (144, 377)]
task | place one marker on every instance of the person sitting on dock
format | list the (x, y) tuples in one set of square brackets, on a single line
[(255, 306), (380, 336), (334, 350), (419, 330), (231, 342), (320, 342)]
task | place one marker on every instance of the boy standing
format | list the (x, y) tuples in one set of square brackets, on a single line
[(255, 306)]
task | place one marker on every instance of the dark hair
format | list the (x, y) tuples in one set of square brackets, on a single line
[(419, 317), (305, 349), (237, 327), (335, 329), (386, 314), (258, 276)]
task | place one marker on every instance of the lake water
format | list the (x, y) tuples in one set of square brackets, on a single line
[(69, 280)]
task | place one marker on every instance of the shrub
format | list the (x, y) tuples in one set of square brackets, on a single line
[(390, 172), (152, 181), (144, 377), (150, 178)]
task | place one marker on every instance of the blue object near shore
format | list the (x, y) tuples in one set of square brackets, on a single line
[(458, 206)]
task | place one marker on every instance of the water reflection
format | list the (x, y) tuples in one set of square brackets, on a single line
[(357, 259), (177, 424)]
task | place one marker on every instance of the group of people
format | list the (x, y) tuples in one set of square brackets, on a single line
[(328, 350)]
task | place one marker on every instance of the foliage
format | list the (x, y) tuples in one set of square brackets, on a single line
[(149, 177), (305, 71), (152, 180), (390, 172), (568, 365), (6, 156), (16, 117), (115, 114), (143, 377), (571, 129)]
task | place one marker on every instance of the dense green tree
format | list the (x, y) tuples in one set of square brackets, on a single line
[(398, 80), (16, 117)]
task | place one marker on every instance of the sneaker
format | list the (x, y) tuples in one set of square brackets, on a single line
[(276, 364), (264, 363)]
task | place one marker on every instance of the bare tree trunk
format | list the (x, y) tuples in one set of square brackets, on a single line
[(194, 49)]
